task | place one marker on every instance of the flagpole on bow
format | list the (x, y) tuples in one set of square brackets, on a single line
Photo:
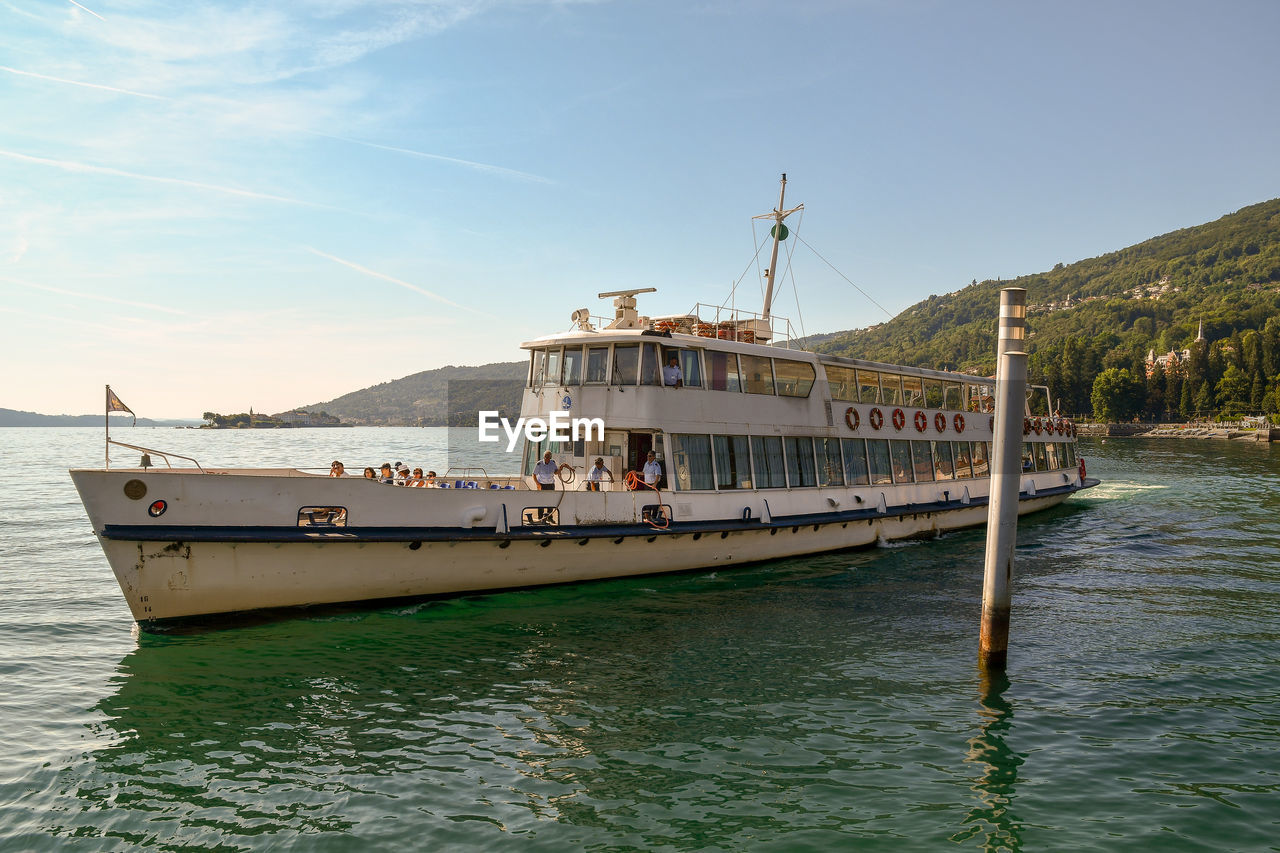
[(114, 404), (106, 417)]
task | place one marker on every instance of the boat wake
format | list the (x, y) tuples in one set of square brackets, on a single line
[(1112, 490)]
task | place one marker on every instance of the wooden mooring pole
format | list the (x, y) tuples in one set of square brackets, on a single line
[(1006, 478)]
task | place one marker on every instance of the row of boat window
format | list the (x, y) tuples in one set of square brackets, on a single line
[(704, 462), (715, 370)]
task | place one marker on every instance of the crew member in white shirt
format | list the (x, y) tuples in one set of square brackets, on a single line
[(596, 475), (545, 472), (672, 375), (652, 470)]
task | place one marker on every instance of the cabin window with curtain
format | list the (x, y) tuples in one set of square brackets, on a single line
[(855, 461), (900, 451), (952, 396), (800, 468), (912, 391), (757, 374), (553, 367), (722, 371), (964, 469), (868, 386), (650, 367), (891, 389), (691, 468), (794, 378), (690, 366), (766, 456), (537, 368), (878, 461), (597, 361), (843, 382), (932, 394), (830, 468), (733, 461), (572, 366), (944, 466), (921, 461), (981, 458), (1055, 459), (626, 361), (532, 455)]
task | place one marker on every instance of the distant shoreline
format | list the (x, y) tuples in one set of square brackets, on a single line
[(1179, 431), (277, 426)]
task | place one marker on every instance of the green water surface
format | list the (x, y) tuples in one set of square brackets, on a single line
[(828, 703)]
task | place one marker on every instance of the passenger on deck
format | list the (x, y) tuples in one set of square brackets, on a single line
[(595, 475), (402, 478), (385, 474), (369, 474), (672, 376), (416, 480), (652, 470), (430, 481), (336, 469)]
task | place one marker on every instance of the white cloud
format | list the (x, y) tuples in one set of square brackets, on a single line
[(82, 295), (393, 280), (88, 168), (99, 86)]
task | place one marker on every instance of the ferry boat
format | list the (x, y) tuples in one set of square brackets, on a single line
[(766, 451)]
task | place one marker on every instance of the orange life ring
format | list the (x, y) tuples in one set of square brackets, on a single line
[(1026, 426), (852, 418), (921, 421), (1035, 425), (940, 422), (899, 419), (1082, 469), (876, 418), (958, 422)]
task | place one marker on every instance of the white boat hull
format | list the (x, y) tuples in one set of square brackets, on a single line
[(256, 562)]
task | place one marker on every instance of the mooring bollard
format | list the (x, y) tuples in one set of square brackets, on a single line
[(1006, 478)]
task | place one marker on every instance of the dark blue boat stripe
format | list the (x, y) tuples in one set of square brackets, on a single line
[(275, 534)]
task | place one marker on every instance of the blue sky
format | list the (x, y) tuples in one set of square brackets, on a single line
[(223, 205)]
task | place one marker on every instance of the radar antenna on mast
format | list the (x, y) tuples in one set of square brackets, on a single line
[(624, 304)]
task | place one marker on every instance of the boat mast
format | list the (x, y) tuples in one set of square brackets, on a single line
[(779, 232)]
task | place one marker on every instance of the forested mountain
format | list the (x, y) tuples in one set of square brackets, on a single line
[(1098, 317), (15, 418), (1110, 312), (422, 399)]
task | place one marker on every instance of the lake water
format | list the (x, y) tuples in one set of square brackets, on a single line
[(825, 703)]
